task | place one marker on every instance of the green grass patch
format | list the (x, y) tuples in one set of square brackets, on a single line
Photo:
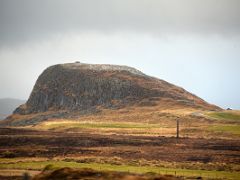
[(100, 125), (232, 129), (123, 168), (225, 115)]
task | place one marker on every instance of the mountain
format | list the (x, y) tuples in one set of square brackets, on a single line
[(78, 87), (8, 105)]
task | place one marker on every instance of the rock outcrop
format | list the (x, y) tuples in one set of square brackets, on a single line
[(78, 86)]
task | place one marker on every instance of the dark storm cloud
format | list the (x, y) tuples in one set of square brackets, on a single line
[(26, 20)]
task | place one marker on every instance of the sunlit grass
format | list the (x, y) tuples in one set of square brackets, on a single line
[(225, 115), (123, 168), (109, 127), (233, 129), (86, 125)]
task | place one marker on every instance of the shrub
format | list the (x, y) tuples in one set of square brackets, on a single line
[(8, 154), (48, 167)]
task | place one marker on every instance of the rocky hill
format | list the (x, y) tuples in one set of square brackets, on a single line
[(85, 87), (80, 86)]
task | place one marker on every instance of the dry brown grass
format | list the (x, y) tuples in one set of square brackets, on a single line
[(142, 121)]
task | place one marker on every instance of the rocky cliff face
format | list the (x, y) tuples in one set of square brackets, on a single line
[(78, 86)]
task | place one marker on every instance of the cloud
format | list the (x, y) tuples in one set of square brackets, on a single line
[(192, 43), (27, 20), (206, 67)]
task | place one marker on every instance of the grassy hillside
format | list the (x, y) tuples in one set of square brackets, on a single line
[(153, 121)]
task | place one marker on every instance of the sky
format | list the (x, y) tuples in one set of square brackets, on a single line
[(194, 44)]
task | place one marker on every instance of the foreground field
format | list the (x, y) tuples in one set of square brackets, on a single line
[(32, 150), (89, 174), (176, 172), (136, 140)]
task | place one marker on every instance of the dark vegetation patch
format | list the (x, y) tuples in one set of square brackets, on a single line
[(31, 143), (11, 177), (73, 174)]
